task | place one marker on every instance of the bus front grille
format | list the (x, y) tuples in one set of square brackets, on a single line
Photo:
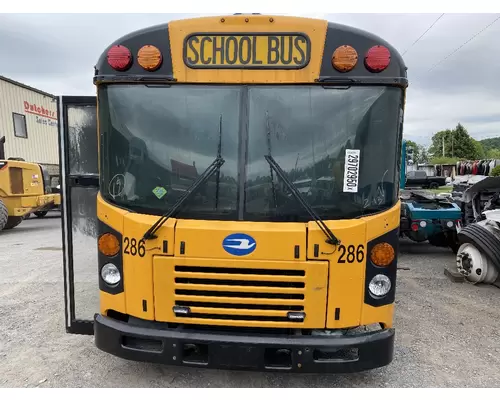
[(239, 294)]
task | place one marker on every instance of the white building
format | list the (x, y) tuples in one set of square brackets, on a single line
[(28, 125)]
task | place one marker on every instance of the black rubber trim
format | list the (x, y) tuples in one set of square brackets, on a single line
[(81, 327), (484, 240), (241, 351)]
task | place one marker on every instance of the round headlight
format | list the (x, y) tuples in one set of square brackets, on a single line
[(110, 274), (380, 285), (423, 224), (450, 224)]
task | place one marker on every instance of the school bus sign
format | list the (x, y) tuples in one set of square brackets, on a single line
[(247, 51)]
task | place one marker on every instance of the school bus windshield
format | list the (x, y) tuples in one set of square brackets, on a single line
[(157, 139)]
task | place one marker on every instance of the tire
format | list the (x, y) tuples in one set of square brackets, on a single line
[(434, 185), (484, 240), (41, 214), (12, 222), (4, 215)]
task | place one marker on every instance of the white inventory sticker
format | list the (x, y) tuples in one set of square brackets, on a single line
[(351, 171)]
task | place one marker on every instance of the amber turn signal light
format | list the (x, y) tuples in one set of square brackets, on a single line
[(382, 254), (149, 58), (345, 58), (109, 245)]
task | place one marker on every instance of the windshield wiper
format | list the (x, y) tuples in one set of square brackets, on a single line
[(212, 169), (331, 238), (205, 176)]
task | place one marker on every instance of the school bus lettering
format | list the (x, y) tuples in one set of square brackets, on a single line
[(283, 51)]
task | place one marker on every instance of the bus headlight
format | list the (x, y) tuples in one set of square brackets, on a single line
[(110, 274), (380, 285)]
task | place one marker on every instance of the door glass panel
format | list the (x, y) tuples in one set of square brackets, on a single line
[(84, 231)]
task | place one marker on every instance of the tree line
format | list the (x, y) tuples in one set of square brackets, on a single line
[(452, 145)]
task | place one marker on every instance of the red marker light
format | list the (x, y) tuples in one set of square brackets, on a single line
[(119, 58), (377, 58), (414, 227)]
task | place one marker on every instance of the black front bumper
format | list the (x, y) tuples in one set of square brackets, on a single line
[(200, 349)]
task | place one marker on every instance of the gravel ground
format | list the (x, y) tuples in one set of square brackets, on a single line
[(447, 334)]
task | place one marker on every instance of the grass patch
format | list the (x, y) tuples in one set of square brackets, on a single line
[(442, 189)]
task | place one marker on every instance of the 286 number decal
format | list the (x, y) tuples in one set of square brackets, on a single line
[(350, 254), (133, 247)]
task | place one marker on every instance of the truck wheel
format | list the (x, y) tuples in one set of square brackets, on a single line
[(12, 222), (41, 214), (4, 215), (485, 241), (475, 265), (434, 185)]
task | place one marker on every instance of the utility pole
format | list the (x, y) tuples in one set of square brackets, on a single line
[(443, 146)]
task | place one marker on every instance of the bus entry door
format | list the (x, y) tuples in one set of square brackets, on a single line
[(78, 149)]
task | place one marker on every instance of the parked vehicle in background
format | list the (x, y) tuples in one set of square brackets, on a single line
[(24, 189), (478, 256), (426, 216), (420, 179)]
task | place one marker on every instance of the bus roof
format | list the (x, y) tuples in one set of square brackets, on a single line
[(252, 49)]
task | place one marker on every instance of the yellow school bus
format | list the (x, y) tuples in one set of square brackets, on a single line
[(186, 240)]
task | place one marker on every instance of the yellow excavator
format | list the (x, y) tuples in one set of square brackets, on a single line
[(24, 189)]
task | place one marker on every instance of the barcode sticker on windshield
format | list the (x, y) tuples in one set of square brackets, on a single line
[(351, 171)]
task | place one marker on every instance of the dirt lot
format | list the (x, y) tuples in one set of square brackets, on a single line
[(447, 334)]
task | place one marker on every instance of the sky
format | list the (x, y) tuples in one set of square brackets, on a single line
[(56, 53)]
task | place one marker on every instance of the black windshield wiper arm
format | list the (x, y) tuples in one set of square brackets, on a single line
[(212, 169), (331, 238)]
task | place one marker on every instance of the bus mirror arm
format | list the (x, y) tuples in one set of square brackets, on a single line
[(330, 237)]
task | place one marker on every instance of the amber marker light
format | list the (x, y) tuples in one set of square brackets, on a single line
[(109, 245), (149, 58), (382, 254), (345, 58)]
